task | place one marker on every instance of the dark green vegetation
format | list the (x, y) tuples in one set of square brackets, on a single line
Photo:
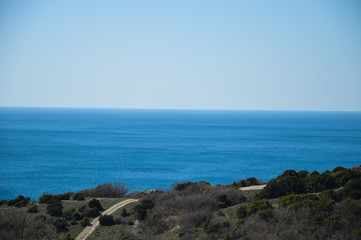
[(303, 182), (106, 220), (54, 216), (294, 205)]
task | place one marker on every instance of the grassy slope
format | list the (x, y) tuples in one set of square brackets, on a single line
[(74, 230)]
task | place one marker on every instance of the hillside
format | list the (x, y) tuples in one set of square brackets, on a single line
[(295, 205)]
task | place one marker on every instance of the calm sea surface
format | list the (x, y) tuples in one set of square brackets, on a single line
[(61, 150)]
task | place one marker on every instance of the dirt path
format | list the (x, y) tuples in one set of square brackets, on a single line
[(254, 187), (95, 223)]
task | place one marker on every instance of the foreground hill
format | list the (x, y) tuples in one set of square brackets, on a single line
[(295, 205)]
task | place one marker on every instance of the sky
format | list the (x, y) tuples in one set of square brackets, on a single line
[(246, 55)]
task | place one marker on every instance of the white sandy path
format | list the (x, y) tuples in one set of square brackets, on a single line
[(95, 223), (254, 187)]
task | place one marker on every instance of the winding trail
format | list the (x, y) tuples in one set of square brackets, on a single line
[(95, 223)]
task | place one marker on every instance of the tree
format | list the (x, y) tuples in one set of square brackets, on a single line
[(106, 220)]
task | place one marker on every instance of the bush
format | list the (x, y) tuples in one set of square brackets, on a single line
[(338, 169), (67, 215), (320, 183), (141, 209), (242, 211), (295, 201), (20, 201), (342, 177), (124, 213), (223, 201), (182, 186), (94, 203), (258, 205), (253, 207), (90, 212), (33, 209), (55, 209), (65, 196), (46, 198), (352, 189), (106, 220), (78, 197), (60, 225), (247, 182), (84, 222), (283, 185), (210, 227), (115, 190), (76, 216)]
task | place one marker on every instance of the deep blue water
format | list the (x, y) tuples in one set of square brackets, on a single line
[(61, 150)]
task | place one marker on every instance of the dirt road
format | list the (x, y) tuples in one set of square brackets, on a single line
[(254, 187), (95, 223)]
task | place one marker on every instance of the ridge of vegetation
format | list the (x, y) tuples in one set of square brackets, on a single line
[(294, 205)]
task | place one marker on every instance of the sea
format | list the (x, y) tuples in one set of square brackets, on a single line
[(62, 150)]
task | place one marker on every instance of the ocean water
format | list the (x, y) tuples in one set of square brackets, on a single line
[(61, 150)]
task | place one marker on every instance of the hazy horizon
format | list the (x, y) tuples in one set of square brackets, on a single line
[(182, 109)]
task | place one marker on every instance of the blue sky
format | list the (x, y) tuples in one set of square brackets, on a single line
[(251, 55)]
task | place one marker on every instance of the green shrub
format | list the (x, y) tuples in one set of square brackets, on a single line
[(107, 190), (106, 220), (65, 196), (262, 206), (94, 203), (332, 221), (141, 209), (123, 213), (60, 225), (67, 215), (33, 209), (283, 185), (20, 201), (210, 227), (242, 211), (76, 216), (318, 183), (84, 222), (78, 197), (315, 221), (338, 169), (258, 205), (265, 213), (325, 204), (182, 186), (352, 189), (55, 209), (46, 198), (90, 212), (353, 207), (342, 177), (294, 201), (223, 201)]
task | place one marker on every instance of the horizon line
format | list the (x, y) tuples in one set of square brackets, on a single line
[(183, 109)]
